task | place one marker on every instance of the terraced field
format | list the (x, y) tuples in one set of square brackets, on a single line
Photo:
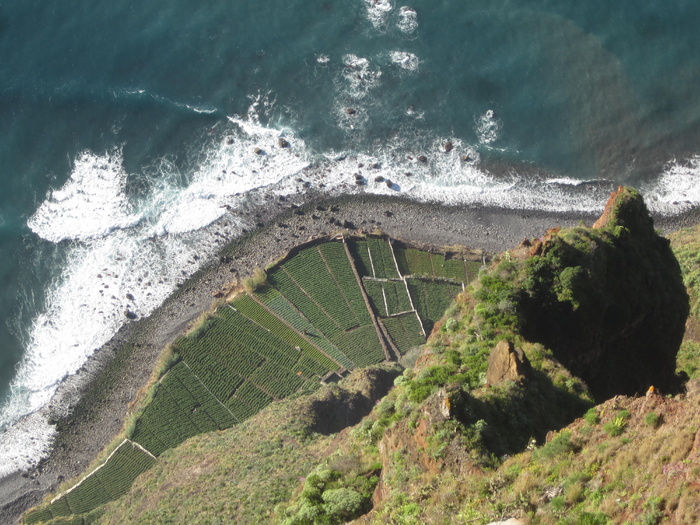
[(329, 307)]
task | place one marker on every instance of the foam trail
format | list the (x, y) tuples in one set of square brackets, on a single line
[(677, 189), (91, 204)]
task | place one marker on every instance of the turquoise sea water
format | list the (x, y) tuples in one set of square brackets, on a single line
[(125, 122)]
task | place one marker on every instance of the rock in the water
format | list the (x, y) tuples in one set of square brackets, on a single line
[(130, 315), (506, 363), (282, 142)]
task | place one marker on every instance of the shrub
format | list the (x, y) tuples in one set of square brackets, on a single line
[(255, 281), (652, 419), (615, 427), (592, 417), (561, 444)]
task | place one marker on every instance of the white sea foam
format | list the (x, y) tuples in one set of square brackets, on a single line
[(132, 260), (677, 189), (408, 20), (487, 127), (405, 60), (91, 204), (378, 12), (359, 76)]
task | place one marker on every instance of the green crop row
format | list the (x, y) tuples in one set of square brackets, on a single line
[(310, 272), (361, 345), (258, 313), (295, 295), (253, 336), (360, 254), (337, 261), (431, 299), (109, 482), (405, 331), (289, 313), (176, 413), (277, 381), (252, 396), (383, 261), (376, 298), (391, 294), (423, 264)]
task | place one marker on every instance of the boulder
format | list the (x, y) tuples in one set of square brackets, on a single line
[(506, 363)]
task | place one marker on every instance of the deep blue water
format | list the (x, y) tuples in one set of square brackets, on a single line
[(134, 109)]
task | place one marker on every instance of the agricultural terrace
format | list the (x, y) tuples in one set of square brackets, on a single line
[(328, 307)]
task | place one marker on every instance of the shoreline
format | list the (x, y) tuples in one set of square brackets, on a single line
[(91, 406)]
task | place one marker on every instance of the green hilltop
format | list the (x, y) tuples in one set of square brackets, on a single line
[(410, 387)]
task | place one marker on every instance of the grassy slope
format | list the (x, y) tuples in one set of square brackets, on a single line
[(629, 460), (239, 475)]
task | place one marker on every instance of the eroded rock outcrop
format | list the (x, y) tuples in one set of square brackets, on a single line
[(506, 363), (608, 300)]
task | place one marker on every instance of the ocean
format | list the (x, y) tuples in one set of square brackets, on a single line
[(130, 130)]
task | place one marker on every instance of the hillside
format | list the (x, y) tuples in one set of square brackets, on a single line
[(490, 423), (330, 306)]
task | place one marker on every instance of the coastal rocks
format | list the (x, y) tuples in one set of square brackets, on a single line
[(130, 315), (506, 363)]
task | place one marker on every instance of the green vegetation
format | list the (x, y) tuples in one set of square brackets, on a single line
[(405, 331), (110, 481), (431, 299), (444, 445), (307, 316)]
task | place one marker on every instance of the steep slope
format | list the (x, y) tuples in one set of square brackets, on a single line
[(491, 385)]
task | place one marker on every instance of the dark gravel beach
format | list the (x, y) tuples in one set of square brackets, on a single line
[(91, 406)]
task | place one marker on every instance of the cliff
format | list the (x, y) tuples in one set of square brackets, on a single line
[(497, 419)]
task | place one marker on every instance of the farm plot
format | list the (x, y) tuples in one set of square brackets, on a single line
[(382, 258), (111, 481), (405, 331), (337, 261), (295, 295), (277, 381), (263, 317), (361, 345), (181, 408), (424, 264), (251, 397), (387, 297), (310, 272), (413, 262), (360, 254), (286, 310), (431, 299)]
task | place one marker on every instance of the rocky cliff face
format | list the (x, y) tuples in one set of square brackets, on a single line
[(609, 301)]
